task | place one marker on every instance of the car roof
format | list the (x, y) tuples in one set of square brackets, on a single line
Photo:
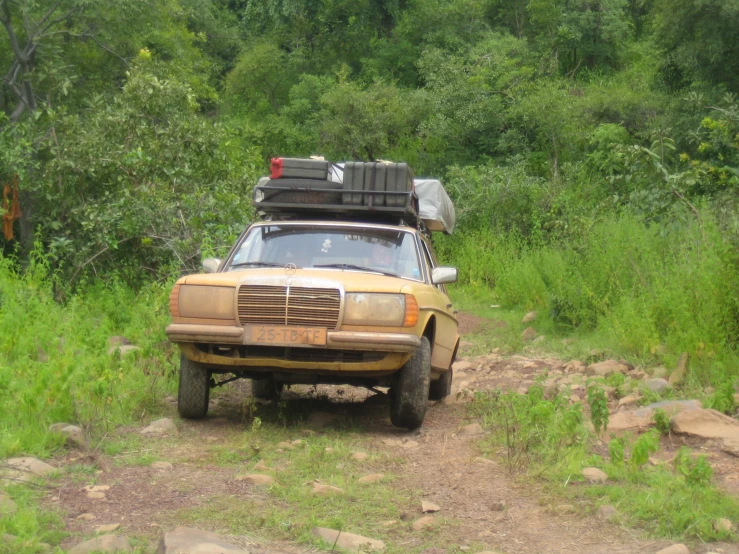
[(360, 225)]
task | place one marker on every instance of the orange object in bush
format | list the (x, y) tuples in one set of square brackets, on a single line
[(11, 208)]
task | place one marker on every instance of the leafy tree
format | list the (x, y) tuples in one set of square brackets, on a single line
[(700, 38)]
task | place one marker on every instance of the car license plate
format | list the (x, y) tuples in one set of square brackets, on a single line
[(287, 335)]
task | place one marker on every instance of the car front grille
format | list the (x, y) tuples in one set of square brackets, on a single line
[(291, 306)]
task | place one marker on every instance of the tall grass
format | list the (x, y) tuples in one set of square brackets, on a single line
[(655, 293), (54, 360)]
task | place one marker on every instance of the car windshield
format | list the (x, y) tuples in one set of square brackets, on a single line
[(383, 251)]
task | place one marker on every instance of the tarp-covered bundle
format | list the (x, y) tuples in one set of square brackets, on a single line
[(435, 208)]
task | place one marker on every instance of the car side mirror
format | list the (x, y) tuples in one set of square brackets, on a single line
[(211, 265), (441, 275)]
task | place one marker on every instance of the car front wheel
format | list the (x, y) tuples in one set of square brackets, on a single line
[(194, 391), (410, 389)]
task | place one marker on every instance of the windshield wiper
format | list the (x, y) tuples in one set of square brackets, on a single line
[(359, 268), (256, 264)]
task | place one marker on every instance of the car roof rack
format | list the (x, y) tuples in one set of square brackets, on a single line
[(317, 202)]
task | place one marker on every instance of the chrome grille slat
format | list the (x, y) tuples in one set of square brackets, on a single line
[(291, 306)]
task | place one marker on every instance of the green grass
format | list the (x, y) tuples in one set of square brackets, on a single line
[(548, 440), (624, 287)]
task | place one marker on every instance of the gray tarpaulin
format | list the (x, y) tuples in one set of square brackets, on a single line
[(434, 205)]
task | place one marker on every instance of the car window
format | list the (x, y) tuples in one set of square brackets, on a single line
[(310, 247)]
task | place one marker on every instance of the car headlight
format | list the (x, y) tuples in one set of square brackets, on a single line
[(385, 310), (200, 301)]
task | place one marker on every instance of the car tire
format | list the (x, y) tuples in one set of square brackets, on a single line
[(410, 389), (442, 387), (193, 395), (266, 389)]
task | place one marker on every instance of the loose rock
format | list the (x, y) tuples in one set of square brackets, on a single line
[(348, 541), (107, 528), (429, 507), (410, 444), (708, 424), (124, 349), (529, 334), (372, 478), (529, 317), (325, 490), (471, 429), (257, 479), (678, 376), (186, 539), (594, 475), (87, 517), (359, 456), (164, 426), (75, 435), (629, 400), (498, 506), (605, 368), (104, 543), (30, 465), (674, 549), (163, 466), (424, 523), (606, 513), (730, 446), (657, 385), (722, 524)]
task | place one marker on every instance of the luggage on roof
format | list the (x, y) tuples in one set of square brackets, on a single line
[(359, 191)]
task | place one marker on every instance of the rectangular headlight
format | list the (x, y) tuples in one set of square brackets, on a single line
[(374, 309), (206, 302)]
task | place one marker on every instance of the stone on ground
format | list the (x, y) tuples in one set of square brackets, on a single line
[(256, 479), (707, 424), (429, 507), (529, 317), (164, 426), (320, 419), (529, 334), (286, 445), (372, 478), (575, 366), (484, 461), (409, 444), (731, 446), (359, 456), (118, 340), (629, 400), (424, 523), (678, 376), (320, 489), (657, 384), (498, 506), (87, 517), (261, 466), (471, 429), (123, 349), (166, 466), (674, 549), (606, 513), (594, 475), (348, 542), (104, 543), (75, 435), (605, 368), (670, 407), (722, 524), (30, 465), (623, 421), (187, 540), (108, 528)]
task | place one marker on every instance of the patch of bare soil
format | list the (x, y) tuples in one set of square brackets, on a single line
[(481, 502), (469, 323)]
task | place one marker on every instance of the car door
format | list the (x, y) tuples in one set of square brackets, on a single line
[(446, 336)]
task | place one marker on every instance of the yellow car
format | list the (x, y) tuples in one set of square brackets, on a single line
[(319, 302)]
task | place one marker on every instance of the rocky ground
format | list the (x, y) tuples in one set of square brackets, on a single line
[(466, 500)]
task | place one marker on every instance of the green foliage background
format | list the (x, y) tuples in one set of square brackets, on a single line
[(591, 146)]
